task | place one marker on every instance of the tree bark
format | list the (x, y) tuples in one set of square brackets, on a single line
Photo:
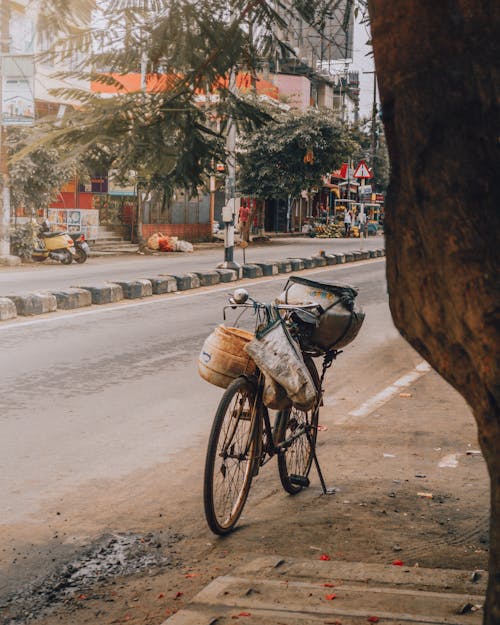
[(439, 79)]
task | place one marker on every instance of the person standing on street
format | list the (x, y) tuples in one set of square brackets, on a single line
[(347, 223), (362, 224)]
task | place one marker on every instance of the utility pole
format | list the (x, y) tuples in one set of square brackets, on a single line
[(228, 211), (374, 120), (4, 170)]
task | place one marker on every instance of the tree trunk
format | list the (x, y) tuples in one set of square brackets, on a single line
[(439, 77)]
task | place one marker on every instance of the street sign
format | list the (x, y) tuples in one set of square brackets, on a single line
[(362, 171)]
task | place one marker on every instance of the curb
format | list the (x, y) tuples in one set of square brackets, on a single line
[(80, 296)]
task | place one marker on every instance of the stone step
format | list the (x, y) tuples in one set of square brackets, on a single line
[(303, 592)]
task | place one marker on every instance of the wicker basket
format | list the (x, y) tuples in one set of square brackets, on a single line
[(222, 358)]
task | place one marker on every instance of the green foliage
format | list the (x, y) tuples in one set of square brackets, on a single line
[(36, 178), (174, 134), (23, 239), (274, 159), (363, 134)]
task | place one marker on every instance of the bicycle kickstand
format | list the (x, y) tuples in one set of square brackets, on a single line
[(316, 462)]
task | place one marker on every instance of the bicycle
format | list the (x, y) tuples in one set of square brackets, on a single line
[(243, 440)]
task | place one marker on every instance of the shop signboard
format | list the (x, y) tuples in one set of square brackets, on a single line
[(18, 100)]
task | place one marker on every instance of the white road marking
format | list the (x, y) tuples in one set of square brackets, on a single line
[(390, 391), (67, 315)]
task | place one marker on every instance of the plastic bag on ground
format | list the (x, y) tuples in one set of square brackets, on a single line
[(183, 246), (153, 241)]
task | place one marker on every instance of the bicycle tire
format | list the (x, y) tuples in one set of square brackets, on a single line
[(297, 459), (230, 457)]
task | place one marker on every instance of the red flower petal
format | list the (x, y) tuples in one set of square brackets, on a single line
[(330, 597), (398, 563), (324, 556), (373, 619), (178, 594), (328, 585)]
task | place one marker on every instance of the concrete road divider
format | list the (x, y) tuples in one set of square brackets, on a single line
[(308, 263), (269, 268), (227, 275), (186, 281), (163, 284), (7, 309), (341, 259), (319, 261), (284, 266), (331, 259), (104, 293), (67, 299), (252, 271), (37, 303), (208, 278), (136, 289), (297, 264)]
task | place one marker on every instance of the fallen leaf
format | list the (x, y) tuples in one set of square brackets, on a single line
[(330, 597), (405, 395), (398, 563), (324, 557), (178, 594), (161, 595), (373, 619)]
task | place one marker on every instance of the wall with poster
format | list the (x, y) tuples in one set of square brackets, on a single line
[(75, 220)]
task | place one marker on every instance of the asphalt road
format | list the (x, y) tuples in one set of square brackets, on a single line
[(113, 389), (52, 275)]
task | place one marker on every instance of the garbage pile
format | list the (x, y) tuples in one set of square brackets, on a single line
[(159, 242), (330, 231)]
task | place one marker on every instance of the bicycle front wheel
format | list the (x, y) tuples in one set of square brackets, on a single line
[(296, 459), (230, 456)]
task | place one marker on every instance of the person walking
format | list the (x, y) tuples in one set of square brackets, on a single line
[(347, 223)]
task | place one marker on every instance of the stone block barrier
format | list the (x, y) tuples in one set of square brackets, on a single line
[(135, 289), (104, 293), (341, 259), (284, 266), (227, 275), (319, 261), (187, 281), (208, 278), (163, 284), (297, 264), (37, 303), (308, 263), (252, 271), (7, 309), (331, 259), (68, 299), (268, 269)]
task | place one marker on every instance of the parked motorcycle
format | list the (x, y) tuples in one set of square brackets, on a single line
[(56, 245), (82, 248)]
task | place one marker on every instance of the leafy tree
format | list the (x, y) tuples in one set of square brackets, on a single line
[(292, 153), (37, 178), (362, 134)]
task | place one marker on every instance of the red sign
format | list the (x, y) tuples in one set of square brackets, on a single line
[(362, 171)]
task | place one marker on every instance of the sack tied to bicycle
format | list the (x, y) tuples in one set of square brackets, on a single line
[(273, 390)]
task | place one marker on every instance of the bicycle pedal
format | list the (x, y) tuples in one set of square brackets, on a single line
[(300, 480)]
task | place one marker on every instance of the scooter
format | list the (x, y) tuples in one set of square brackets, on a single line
[(56, 245), (82, 248)]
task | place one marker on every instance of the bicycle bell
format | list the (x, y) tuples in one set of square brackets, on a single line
[(240, 296)]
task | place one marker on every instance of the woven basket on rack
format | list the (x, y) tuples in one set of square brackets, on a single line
[(222, 358)]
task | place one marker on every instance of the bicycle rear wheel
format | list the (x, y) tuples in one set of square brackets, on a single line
[(296, 460), (230, 457)]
